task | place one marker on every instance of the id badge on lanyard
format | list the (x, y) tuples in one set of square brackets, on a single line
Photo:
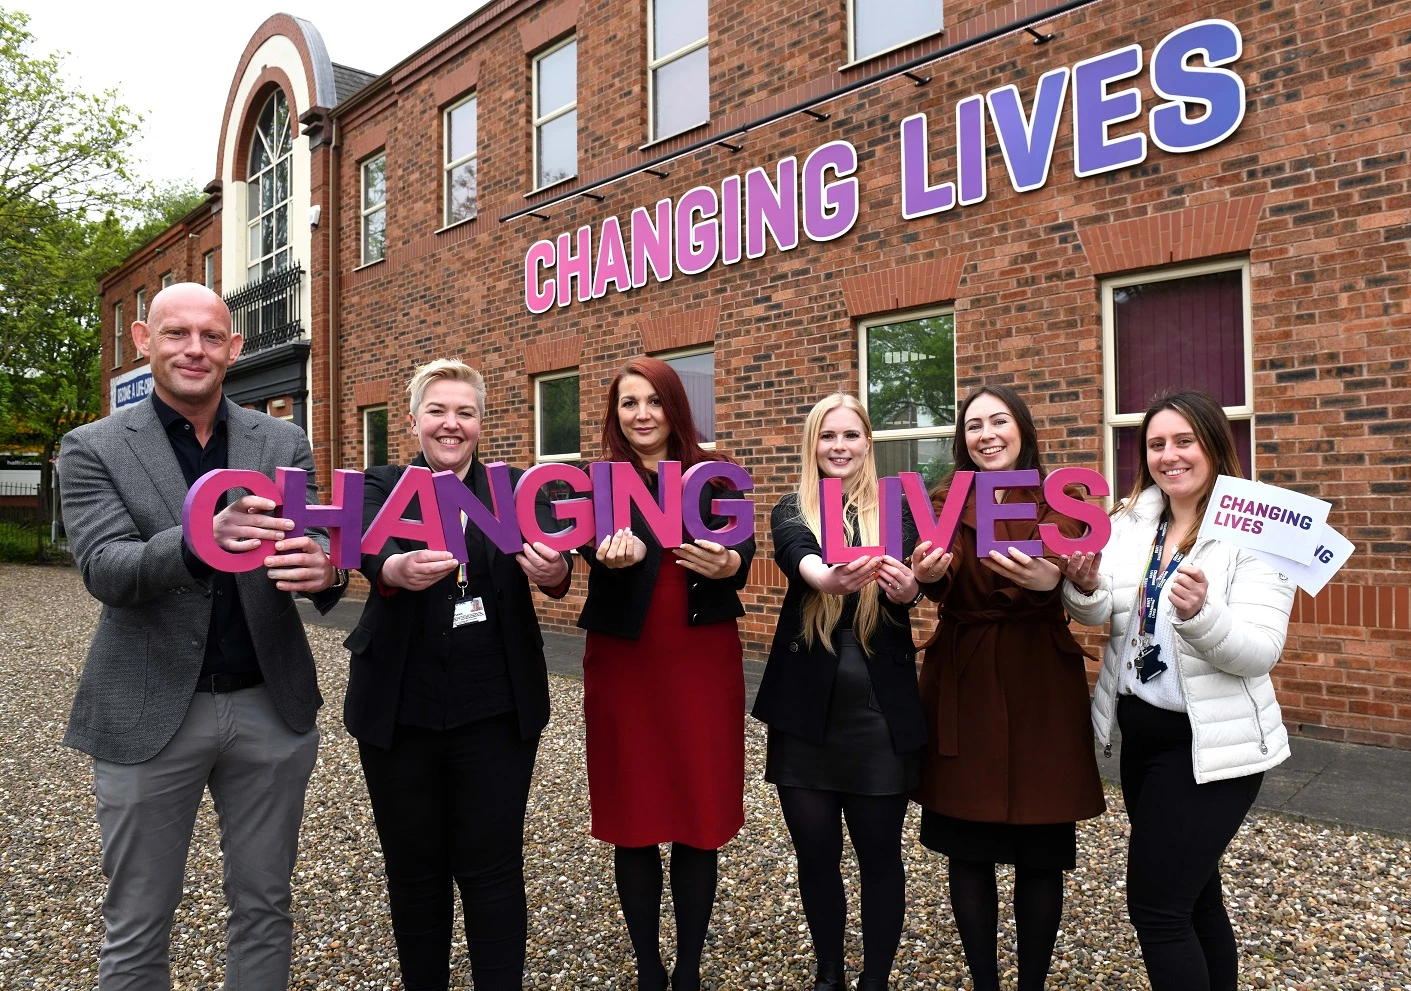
[(466, 610), (1148, 662)]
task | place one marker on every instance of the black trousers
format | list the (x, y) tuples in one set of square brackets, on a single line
[(1179, 831), (450, 809)]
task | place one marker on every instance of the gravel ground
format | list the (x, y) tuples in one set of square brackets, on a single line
[(1315, 907)]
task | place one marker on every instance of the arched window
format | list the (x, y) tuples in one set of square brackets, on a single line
[(268, 188)]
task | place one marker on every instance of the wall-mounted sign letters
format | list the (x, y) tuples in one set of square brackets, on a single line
[(1202, 104)]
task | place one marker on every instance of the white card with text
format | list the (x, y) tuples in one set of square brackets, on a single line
[(1265, 518)]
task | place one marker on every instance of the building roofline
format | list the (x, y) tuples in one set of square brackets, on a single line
[(203, 211)]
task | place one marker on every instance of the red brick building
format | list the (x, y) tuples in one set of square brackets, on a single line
[(1089, 201)]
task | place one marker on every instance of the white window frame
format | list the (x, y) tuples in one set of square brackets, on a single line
[(691, 352), (142, 304), (864, 326), (117, 334), (367, 448), (255, 222), (539, 456), (854, 57), (449, 166), (552, 115), (167, 279), (364, 211), (656, 61), (1111, 419), (209, 270)]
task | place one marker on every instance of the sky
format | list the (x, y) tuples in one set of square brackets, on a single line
[(172, 62)]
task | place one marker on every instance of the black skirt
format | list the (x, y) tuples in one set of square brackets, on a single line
[(1043, 846), (856, 755)]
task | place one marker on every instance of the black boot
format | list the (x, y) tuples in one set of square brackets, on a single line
[(652, 979), (830, 976), (865, 983)]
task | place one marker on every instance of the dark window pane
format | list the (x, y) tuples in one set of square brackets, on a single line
[(281, 227), (375, 437), (1127, 453), (697, 373), (281, 181), (558, 416), (374, 236), (375, 182), (460, 192), (931, 456), (267, 191), (1180, 334), (911, 373)]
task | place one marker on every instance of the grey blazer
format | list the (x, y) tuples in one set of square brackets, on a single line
[(123, 490)]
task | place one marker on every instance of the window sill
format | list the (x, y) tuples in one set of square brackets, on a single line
[(672, 137), (849, 66), (555, 459), (377, 261), (553, 185), (458, 223)]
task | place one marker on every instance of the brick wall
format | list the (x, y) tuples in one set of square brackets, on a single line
[(1312, 190)]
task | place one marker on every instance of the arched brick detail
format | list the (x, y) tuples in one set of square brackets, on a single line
[(269, 80), (276, 26), (554, 355), (1220, 228), (679, 330), (905, 287)]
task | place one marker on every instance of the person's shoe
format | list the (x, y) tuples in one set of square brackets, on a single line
[(865, 983), (830, 976), (685, 982)]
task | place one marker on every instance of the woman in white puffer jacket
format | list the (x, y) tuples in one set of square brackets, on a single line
[(1188, 683)]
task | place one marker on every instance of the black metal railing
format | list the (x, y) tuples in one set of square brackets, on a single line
[(267, 313), (23, 533)]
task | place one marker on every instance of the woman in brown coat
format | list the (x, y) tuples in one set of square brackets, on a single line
[(1010, 766)]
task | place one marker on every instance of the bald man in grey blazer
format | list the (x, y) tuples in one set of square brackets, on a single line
[(195, 678)]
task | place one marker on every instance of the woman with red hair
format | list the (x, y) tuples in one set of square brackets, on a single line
[(663, 685)]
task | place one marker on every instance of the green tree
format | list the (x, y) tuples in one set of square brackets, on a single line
[(63, 154)]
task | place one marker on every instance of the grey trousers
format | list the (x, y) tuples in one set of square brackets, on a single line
[(257, 770)]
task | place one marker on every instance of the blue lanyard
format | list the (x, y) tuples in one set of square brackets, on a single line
[(1156, 579)]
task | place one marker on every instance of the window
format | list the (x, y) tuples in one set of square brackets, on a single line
[(556, 417), (697, 372), (374, 436), (678, 65), (1180, 328), (271, 150), (142, 305), (167, 280), (556, 114), (461, 154), (374, 228), (118, 331), (877, 26), (908, 384), (210, 260)]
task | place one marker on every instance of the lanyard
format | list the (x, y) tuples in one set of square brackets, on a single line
[(1156, 579), (461, 582)]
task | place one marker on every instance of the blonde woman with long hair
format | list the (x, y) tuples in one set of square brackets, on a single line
[(839, 695)]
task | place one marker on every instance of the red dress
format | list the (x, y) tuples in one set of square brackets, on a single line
[(665, 719)]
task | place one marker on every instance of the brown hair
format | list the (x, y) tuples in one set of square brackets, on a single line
[(1212, 432)]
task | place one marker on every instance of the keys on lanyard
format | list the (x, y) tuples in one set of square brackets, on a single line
[(1148, 661)]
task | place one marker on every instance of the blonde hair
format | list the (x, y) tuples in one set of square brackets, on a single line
[(821, 612), (445, 368)]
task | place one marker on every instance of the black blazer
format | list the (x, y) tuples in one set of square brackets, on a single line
[(380, 640), (798, 681), (618, 597)]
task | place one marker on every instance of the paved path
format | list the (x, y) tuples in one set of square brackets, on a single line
[(1340, 783)]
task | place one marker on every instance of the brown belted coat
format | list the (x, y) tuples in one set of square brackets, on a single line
[(1005, 692)]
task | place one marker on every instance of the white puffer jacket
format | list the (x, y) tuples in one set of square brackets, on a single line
[(1225, 651)]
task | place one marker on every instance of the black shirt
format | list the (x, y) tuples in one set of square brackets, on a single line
[(456, 675), (229, 649)]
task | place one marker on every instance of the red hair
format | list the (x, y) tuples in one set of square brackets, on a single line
[(684, 442)]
